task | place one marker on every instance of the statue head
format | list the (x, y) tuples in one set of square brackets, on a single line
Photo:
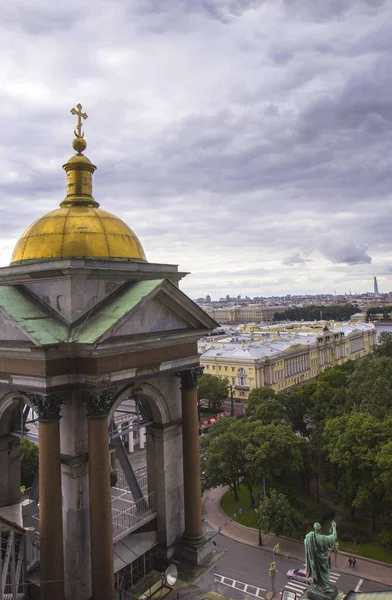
[(317, 527)]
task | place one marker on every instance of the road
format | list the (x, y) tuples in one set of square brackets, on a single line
[(243, 565)]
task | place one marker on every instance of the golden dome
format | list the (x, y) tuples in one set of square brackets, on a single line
[(78, 231), (79, 228)]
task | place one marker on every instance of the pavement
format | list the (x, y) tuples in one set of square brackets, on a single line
[(213, 514)]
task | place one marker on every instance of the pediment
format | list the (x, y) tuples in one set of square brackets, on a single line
[(143, 308), (154, 317)]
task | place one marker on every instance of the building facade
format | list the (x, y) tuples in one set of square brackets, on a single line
[(243, 314), (283, 359)]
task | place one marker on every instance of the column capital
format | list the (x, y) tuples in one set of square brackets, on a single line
[(190, 377), (99, 402), (48, 407)]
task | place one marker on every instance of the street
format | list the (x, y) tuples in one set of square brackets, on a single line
[(244, 571)]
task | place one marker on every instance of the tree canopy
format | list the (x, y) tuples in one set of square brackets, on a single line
[(339, 426), (338, 312), (277, 516), (213, 389)]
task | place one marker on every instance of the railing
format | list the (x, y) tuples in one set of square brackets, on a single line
[(123, 484), (129, 519), (32, 549)]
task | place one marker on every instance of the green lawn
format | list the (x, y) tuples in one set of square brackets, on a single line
[(371, 550), (311, 509), (308, 506), (231, 506)]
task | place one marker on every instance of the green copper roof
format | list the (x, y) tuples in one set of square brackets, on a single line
[(32, 317), (91, 329)]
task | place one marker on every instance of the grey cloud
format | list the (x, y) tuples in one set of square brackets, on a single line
[(342, 251), (333, 9), (223, 146), (294, 259), (40, 17)]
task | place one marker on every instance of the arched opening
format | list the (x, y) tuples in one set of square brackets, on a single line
[(137, 411)]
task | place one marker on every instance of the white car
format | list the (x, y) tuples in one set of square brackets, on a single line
[(299, 575)]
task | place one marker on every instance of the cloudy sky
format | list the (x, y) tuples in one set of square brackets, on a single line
[(248, 141)]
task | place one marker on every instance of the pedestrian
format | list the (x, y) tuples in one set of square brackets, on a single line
[(354, 561), (350, 562)]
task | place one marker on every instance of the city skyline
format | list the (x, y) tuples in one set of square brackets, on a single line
[(247, 141)]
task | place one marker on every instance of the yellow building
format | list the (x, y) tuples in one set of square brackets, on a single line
[(282, 358), (253, 313)]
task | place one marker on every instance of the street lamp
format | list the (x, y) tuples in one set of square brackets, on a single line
[(231, 401), (258, 510)]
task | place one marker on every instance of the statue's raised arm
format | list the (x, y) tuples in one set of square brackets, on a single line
[(317, 562)]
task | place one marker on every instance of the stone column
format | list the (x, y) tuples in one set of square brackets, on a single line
[(131, 442), (50, 501), (191, 454), (101, 533), (76, 522), (142, 437), (165, 478)]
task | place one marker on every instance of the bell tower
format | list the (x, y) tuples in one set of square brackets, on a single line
[(88, 326)]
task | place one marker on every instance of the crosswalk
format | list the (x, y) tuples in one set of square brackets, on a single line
[(299, 588), (246, 588)]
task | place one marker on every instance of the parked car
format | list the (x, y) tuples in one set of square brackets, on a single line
[(299, 575)]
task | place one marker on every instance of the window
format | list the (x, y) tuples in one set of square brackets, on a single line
[(233, 380), (219, 368), (225, 368)]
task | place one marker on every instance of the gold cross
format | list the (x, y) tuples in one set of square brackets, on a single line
[(78, 131)]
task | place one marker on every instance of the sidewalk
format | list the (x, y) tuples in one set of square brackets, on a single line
[(365, 568)]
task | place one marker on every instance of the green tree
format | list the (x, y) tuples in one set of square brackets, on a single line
[(330, 397), (353, 442), (384, 345), (338, 312), (276, 453), (239, 451), (268, 411), (256, 397), (297, 403), (213, 389), (29, 462), (224, 456), (277, 516), (370, 386)]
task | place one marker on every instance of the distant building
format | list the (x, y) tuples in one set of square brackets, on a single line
[(243, 314), (375, 286), (282, 356)]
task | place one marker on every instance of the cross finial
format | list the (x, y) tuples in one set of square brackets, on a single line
[(78, 131)]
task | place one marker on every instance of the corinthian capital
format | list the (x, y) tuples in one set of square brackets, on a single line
[(47, 407), (99, 402), (190, 377)]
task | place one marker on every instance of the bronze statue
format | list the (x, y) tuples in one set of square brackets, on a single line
[(317, 561)]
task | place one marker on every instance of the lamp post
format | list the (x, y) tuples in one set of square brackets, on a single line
[(258, 510), (231, 402), (260, 536)]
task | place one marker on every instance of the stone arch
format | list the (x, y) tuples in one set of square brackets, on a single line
[(153, 402), (10, 407)]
